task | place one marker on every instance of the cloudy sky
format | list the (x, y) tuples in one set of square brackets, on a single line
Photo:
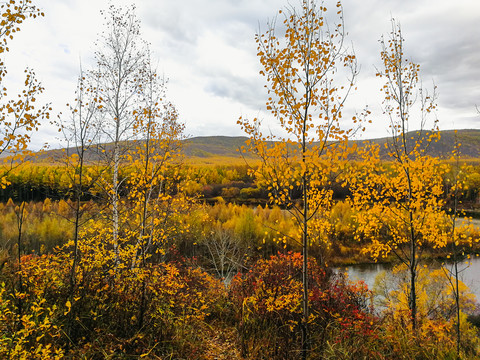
[(207, 50)]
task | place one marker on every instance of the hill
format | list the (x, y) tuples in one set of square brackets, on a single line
[(207, 146), (468, 138), (211, 147), (211, 150)]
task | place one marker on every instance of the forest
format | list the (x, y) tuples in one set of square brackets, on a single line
[(124, 245)]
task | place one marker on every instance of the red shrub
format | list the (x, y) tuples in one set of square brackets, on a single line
[(268, 303)]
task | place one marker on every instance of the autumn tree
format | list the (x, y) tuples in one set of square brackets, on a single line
[(80, 133), (141, 132), (121, 60), (155, 159), (400, 202), (19, 116), (150, 204), (459, 235), (155, 201), (303, 68)]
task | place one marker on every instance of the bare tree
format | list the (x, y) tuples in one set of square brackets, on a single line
[(225, 253)]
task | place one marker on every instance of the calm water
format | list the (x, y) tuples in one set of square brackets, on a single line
[(367, 272)]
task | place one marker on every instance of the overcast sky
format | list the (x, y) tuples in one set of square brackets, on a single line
[(207, 50)]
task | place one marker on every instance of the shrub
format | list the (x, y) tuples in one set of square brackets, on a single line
[(159, 309), (269, 308)]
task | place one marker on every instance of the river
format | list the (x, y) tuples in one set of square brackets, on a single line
[(367, 272)]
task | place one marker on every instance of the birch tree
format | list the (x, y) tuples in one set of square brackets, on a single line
[(121, 56)]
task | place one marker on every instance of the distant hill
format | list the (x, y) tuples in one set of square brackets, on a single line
[(224, 146), (224, 149), (207, 146), (468, 138)]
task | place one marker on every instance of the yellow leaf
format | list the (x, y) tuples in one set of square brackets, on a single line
[(68, 304)]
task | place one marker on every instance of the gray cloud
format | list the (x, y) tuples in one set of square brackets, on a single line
[(249, 92)]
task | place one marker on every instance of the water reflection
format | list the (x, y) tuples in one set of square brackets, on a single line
[(470, 273)]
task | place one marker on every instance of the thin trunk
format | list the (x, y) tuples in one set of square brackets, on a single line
[(76, 224), (305, 335), (413, 276), (20, 218), (143, 229), (456, 291), (143, 305), (402, 107), (116, 160), (457, 303), (412, 301), (305, 338), (146, 191), (76, 229)]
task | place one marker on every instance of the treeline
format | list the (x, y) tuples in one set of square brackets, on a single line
[(230, 183)]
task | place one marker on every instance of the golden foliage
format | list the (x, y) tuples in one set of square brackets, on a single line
[(18, 116), (302, 69)]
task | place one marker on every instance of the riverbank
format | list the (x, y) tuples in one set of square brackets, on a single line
[(341, 255)]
